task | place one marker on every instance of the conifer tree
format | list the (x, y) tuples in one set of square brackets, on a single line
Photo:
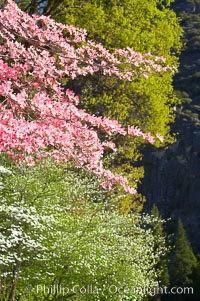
[(184, 261)]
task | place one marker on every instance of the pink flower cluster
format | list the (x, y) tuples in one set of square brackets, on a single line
[(38, 117)]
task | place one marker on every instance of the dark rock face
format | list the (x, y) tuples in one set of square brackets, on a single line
[(172, 176), (196, 141), (172, 181)]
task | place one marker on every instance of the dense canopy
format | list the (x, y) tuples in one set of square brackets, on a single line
[(39, 117)]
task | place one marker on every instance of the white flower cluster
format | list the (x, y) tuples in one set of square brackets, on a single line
[(56, 226)]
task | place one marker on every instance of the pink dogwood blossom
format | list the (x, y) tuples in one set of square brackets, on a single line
[(39, 118)]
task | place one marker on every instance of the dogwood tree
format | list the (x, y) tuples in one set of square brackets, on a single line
[(59, 240), (39, 117)]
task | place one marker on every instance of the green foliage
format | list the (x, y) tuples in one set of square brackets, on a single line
[(146, 103), (146, 26), (187, 80), (58, 231), (184, 96), (184, 260), (158, 230)]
